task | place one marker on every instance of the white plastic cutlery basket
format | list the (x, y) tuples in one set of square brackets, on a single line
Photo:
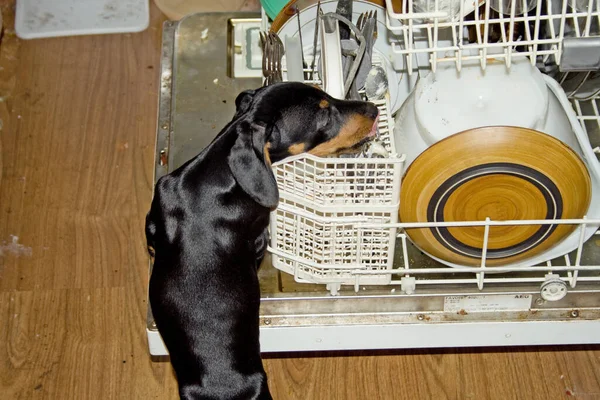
[(313, 236)]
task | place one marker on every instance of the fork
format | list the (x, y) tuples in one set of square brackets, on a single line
[(279, 52), (273, 51), (267, 71), (362, 21), (367, 24)]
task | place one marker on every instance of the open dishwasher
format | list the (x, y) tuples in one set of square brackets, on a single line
[(348, 267)]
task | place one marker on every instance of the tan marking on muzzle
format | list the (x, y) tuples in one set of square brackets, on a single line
[(356, 128), (296, 148)]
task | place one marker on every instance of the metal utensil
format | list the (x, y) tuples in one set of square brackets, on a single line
[(279, 52), (367, 23), (301, 42), (315, 41), (293, 58), (344, 8), (350, 47), (357, 56), (376, 84), (266, 47)]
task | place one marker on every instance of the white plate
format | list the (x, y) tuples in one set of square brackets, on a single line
[(400, 86)]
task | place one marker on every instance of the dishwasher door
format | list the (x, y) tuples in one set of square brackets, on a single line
[(207, 59)]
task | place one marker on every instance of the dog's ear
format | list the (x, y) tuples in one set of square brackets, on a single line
[(249, 162), (243, 101)]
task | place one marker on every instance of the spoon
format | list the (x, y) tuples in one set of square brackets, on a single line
[(376, 83)]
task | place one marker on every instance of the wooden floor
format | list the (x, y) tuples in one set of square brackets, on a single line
[(77, 127)]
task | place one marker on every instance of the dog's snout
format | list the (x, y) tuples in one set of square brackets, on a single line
[(363, 108)]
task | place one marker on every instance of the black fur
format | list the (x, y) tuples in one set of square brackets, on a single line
[(207, 232)]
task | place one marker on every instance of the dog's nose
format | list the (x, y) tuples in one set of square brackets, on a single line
[(370, 110)]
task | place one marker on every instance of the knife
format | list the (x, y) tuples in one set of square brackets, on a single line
[(344, 8)]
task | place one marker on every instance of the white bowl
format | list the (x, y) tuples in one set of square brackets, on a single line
[(451, 101), (446, 103)]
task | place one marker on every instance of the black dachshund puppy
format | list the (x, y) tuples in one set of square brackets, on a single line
[(207, 232)]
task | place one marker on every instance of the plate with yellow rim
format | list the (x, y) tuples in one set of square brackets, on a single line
[(500, 172)]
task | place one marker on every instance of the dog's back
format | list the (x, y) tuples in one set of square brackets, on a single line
[(196, 214)]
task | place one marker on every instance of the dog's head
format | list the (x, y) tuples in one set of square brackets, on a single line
[(290, 118)]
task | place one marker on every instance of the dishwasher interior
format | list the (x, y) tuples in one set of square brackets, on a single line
[(342, 270)]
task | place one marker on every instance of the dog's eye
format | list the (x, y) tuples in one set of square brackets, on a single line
[(323, 117)]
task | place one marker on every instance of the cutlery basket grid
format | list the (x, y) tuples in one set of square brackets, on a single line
[(327, 248)]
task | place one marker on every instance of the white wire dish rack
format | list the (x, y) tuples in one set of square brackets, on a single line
[(337, 225), (457, 30), (337, 222)]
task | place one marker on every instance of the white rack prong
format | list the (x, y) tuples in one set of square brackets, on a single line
[(388, 23), (486, 32), (578, 30), (459, 41), (477, 21), (536, 30), (486, 235), (410, 43), (511, 31), (588, 19), (579, 252), (569, 273), (596, 111), (405, 252), (561, 33), (435, 38)]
